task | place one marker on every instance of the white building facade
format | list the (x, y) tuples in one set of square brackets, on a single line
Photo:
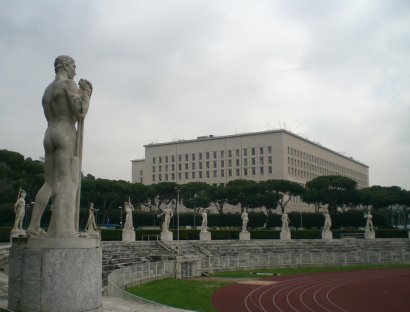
[(258, 156)]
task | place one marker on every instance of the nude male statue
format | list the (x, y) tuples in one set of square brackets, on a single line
[(285, 222), (168, 214), (245, 220), (19, 210), (328, 220), (204, 226), (64, 105)]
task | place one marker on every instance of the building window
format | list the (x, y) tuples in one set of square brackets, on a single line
[(253, 161), (173, 158), (166, 168), (238, 172), (253, 171), (215, 173), (207, 155), (229, 162), (166, 159), (179, 167), (245, 152), (159, 168), (173, 176), (186, 166), (230, 153), (173, 167), (179, 176), (261, 160), (261, 170), (207, 173), (193, 174), (153, 168), (153, 177), (237, 163), (245, 171), (193, 156), (214, 155), (222, 154), (186, 175), (222, 163), (261, 150), (269, 149), (237, 152), (186, 157), (207, 165), (166, 177), (160, 177), (200, 165), (160, 159), (245, 162), (193, 166), (200, 174), (270, 160), (215, 164), (230, 172), (253, 151), (153, 160), (180, 158), (222, 173), (200, 156)]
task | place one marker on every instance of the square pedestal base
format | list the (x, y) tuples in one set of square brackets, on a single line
[(369, 235), (328, 235), (167, 236), (54, 275), (205, 236), (244, 236), (285, 235), (128, 235)]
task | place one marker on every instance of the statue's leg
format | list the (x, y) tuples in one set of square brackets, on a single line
[(63, 215), (41, 201)]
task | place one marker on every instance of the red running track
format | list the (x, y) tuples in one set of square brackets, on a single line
[(353, 291)]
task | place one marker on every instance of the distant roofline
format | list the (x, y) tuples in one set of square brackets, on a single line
[(138, 159), (215, 137)]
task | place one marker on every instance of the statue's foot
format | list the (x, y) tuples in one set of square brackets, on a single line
[(35, 232)]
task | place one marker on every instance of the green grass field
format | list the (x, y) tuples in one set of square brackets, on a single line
[(196, 294)]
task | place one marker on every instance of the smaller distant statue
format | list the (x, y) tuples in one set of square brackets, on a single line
[(129, 208), (19, 211), (328, 220), (168, 214), (369, 222), (91, 226), (245, 220), (204, 226), (285, 223)]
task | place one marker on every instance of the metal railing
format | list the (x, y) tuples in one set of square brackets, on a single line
[(119, 280)]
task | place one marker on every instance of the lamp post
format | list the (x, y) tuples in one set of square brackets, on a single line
[(178, 189), (120, 207)]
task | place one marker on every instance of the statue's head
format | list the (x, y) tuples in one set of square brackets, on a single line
[(61, 61)]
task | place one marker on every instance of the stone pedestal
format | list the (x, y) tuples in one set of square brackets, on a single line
[(327, 235), (285, 235), (205, 236), (16, 234), (55, 274), (244, 236), (369, 235), (128, 235), (166, 236)]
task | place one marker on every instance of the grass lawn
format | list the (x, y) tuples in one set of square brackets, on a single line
[(196, 294), (184, 294)]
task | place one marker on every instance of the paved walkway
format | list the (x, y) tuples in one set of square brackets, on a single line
[(109, 304)]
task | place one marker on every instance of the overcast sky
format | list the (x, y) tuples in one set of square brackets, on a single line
[(337, 72)]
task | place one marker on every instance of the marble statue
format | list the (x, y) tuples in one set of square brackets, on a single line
[(285, 223), (204, 226), (19, 211), (91, 227), (245, 220), (168, 214), (64, 105), (369, 222), (129, 208), (328, 220)]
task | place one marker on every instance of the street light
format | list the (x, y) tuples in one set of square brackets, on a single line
[(121, 216)]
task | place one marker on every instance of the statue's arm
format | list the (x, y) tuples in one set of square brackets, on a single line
[(79, 98)]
